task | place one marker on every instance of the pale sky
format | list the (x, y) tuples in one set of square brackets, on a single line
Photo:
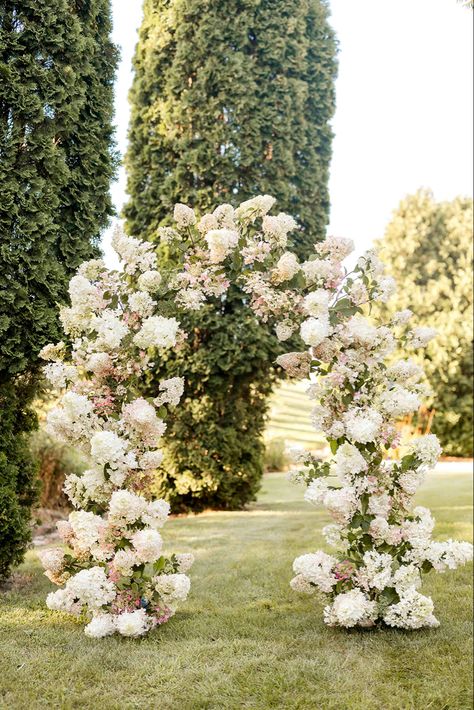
[(404, 107)]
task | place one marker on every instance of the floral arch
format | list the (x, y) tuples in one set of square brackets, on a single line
[(114, 571)]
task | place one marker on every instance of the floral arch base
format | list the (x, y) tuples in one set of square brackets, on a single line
[(114, 572)]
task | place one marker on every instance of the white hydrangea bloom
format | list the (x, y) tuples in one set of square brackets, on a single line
[(136, 255), (100, 626), (148, 544), (183, 216), (286, 267), (317, 568), (132, 623), (207, 222), (171, 391), (413, 611), (149, 281), (405, 371), (140, 417), (380, 505), (333, 534), (426, 448), (141, 303), (225, 216), (402, 317), (418, 531), (73, 420), (126, 506), (316, 491), (83, 294), (386, 288), (399, 401), (317, 270), (91, 587), (276, 228), (151, 459), (172, 587), (60, 374), (376, 572), (157, 331), (406, 577), (99, 363), (359, 330), (52, 351), (86, 528), (284, 330), (301, 584), (421, 336), (341, 503), (124, 561), (316, 303), (255, 207), (52, 559), (350, 609), (362, 425), (338, 248), (185, 561), (108, 448), (314, 330), (156, 513), (110, 329), (92, 269), (349, 461), (409, 481), (449, 555), (220, 243)]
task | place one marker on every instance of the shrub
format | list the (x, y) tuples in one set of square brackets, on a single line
[(18, 482), (276, 458), (56, 71)]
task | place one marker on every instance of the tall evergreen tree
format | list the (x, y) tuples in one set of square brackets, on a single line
[(428, 248), (229, 99), (57, 66)]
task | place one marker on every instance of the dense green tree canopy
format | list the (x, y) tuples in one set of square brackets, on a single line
[(428, 248), (57, 67), (229, 99)]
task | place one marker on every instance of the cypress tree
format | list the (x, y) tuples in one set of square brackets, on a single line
[(56, 161), (229, 99), (428, 248)]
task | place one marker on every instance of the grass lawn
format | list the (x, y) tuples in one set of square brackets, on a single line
[(244, 639)]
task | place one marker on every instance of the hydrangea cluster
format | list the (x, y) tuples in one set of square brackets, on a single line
[(113, 570), (382, 543)]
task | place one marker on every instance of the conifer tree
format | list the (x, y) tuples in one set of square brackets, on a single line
[(428, 248), (57, 66), (229, 99)]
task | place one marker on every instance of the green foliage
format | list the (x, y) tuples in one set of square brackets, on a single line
[(428, 248), (229, 100), (18, 482), (56, 71), (223, 109), (276, 458), (55, 461), (214, 447)]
